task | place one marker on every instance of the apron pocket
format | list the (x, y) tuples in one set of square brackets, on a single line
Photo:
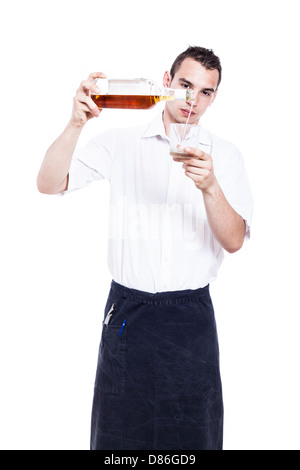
[(110, 375)]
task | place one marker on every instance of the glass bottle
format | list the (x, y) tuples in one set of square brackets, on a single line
[(138, 93)]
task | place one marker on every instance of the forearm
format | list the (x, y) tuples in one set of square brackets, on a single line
[(53, 174), (226, 224)]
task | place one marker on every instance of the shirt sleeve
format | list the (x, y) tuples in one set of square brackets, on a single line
[(91, 162), (236, 187)]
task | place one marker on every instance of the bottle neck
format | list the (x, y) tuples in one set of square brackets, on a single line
[(185, 94)]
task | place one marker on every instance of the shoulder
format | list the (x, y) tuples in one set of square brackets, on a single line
[(220, 144), (119, 135), (224, 152), (227, 159)]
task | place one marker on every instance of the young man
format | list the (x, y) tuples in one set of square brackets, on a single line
[(158, 382)]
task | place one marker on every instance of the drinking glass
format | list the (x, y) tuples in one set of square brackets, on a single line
[(187, 135)]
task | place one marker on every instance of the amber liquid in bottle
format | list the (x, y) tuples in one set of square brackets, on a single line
[(128, 101)]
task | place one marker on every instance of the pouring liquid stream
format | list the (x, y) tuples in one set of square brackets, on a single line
[(187, 121), (180, 147)]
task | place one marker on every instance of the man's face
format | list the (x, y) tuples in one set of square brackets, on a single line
[(191, 74)]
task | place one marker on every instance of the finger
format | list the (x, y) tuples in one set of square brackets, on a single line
[(192, 176), (86, 86), (86, 109), (196, 163), (88, 102), (93, 79), (93, 76), (197, 153), (196, 178), (197, 171), (183, 158)]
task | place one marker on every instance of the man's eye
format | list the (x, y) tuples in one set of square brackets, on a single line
[(207, 94)]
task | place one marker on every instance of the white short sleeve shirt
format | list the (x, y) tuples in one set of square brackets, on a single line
[(159, 237)]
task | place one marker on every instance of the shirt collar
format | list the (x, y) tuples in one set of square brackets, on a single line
[(156, 128)]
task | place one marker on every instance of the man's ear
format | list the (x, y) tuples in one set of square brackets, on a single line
[(167, 79)]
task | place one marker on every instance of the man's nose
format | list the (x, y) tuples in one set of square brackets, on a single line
[(195, 100)]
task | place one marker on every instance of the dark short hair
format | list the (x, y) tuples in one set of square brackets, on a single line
[(206, 57)]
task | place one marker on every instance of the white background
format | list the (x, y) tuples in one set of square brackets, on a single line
[(54, 277)]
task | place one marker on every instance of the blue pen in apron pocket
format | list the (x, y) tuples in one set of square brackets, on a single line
[(122, 328)]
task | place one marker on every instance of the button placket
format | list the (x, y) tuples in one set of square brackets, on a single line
[(167, 227)]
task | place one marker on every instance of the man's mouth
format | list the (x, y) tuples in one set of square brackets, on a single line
[(186, 112)]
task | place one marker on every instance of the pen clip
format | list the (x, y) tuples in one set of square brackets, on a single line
[(110, 314)]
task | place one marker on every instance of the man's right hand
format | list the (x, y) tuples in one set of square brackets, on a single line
[(84, 107)]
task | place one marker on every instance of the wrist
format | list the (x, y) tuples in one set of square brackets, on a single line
[(74, 127), (213, 189)]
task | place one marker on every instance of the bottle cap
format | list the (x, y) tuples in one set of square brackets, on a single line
[(185, 94), (180, 94)]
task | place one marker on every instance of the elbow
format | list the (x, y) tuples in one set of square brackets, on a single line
[(234, 248), (237, 241), (235, 245), (42, 187), (45, 186)]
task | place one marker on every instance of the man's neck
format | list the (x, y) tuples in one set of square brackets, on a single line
[(167, 121)]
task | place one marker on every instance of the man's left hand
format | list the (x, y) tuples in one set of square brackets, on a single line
[(199, 168)]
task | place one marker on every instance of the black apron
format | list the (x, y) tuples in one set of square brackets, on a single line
[(158, 384)]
